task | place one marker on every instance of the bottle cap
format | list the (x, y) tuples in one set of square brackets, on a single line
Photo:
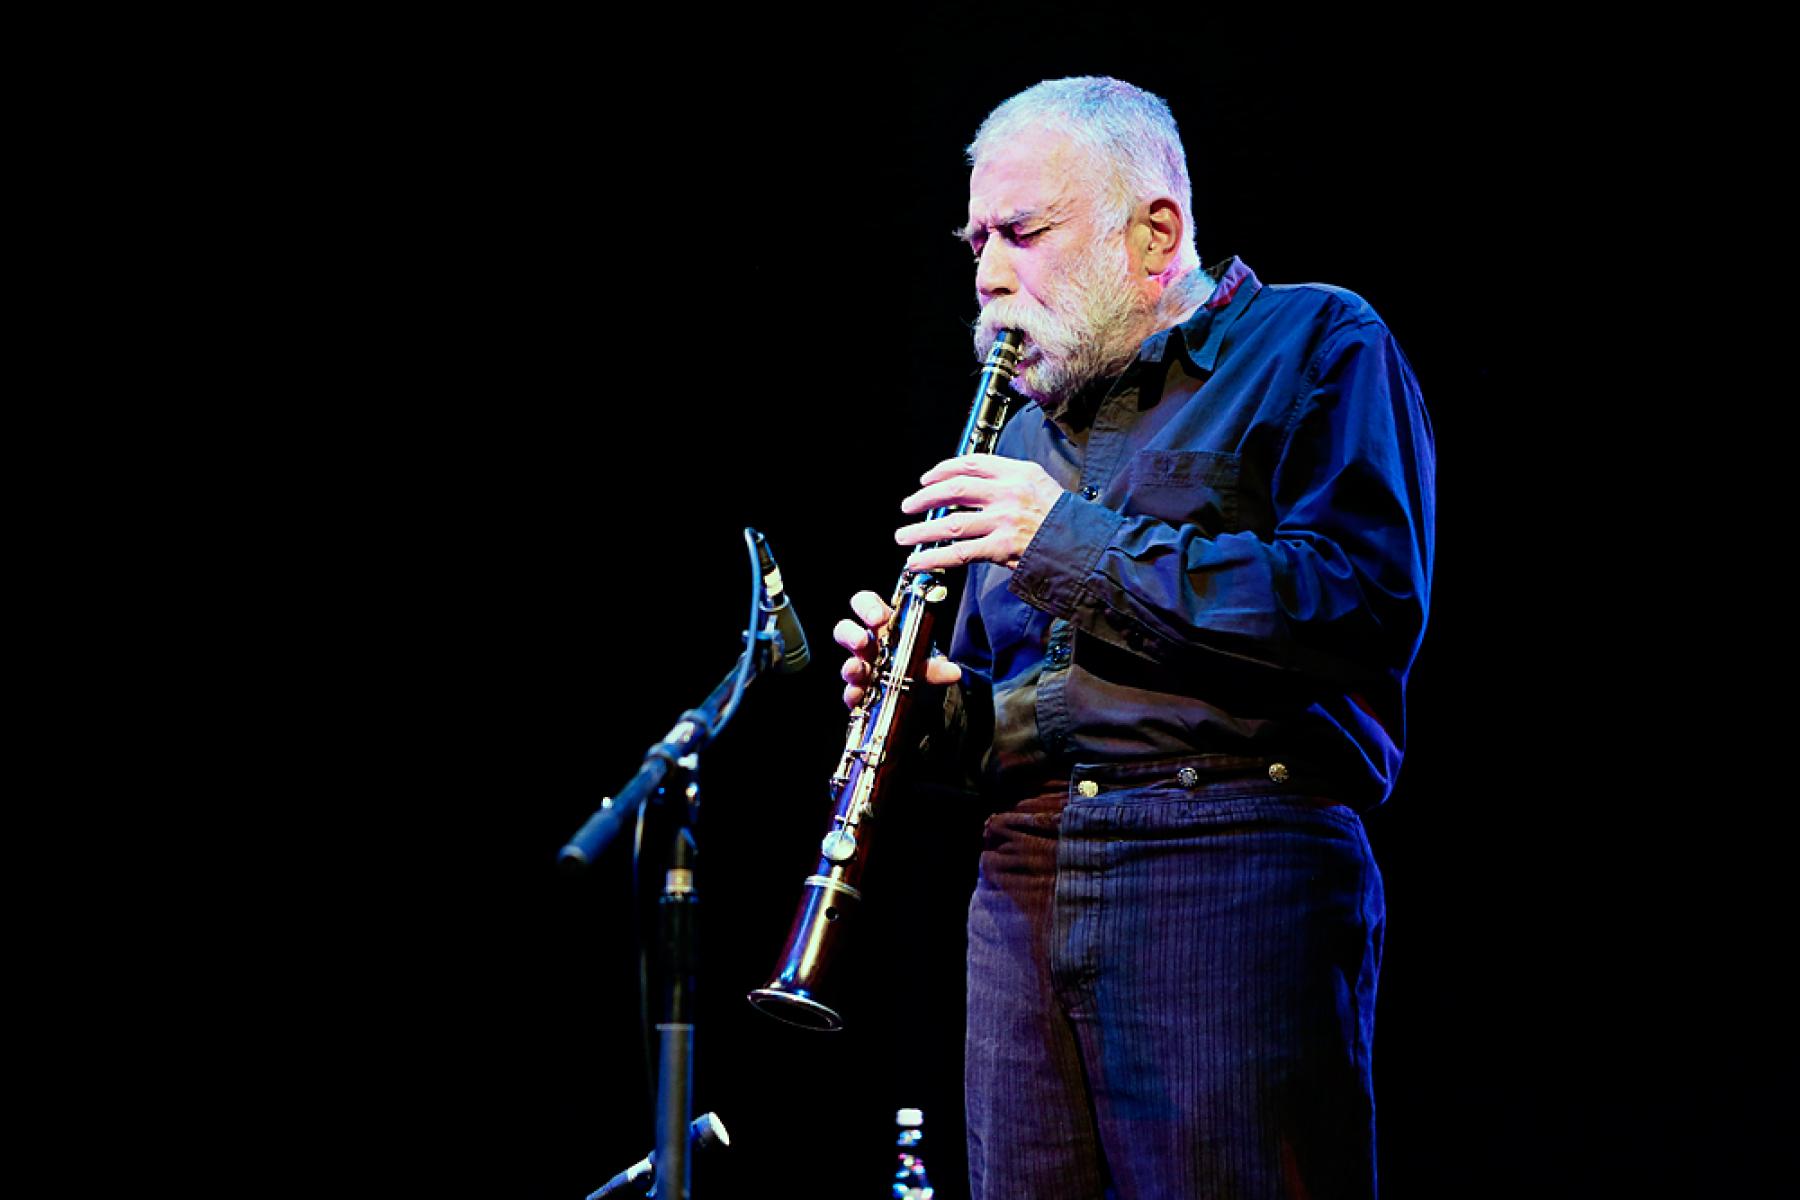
[(910, 1118)]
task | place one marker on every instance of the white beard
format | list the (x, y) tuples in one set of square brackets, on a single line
[(1089, 326)]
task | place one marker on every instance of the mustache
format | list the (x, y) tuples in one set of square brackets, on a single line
[(998, 316)]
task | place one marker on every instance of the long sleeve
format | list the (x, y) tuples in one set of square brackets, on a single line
[(1334, 589)]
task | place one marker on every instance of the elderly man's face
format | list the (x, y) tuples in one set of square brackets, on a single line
[(1046, 268)]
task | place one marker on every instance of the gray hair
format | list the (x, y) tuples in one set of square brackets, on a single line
[(1132, 149)]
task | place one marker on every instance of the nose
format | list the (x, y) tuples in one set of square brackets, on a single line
[(993, 270)]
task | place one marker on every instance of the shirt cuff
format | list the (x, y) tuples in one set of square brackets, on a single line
[(1052, 573)]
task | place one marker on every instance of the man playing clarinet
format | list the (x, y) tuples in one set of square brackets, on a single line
[(1198, 573)]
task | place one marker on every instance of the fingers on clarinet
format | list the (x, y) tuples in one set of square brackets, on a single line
[(921, 560), (942, 671), (956, 554), (953, 528), (855, 671), (981, 465), (962, 492), (920, 501), (870, 609), (942, 470), (851, 636), (852, 696)]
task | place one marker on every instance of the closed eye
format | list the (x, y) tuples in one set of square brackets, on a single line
[(1014, 235)]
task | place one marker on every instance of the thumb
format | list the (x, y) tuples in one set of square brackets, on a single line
[(941, 672)]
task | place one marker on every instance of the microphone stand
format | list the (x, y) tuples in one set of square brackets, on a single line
[(676, 921), (671, 769)]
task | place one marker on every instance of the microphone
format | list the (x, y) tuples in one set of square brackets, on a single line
[(795, 655), (706, 1132)]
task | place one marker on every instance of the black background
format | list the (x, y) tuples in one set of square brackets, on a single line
[(622, 296)]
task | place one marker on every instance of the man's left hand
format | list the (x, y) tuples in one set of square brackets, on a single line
[(1006, 500)]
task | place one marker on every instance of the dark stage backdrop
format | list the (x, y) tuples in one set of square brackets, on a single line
[(633, 295)]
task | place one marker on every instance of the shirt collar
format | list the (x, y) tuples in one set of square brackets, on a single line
[(1199, 337)]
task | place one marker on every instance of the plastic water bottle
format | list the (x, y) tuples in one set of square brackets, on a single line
[(910, 1182)]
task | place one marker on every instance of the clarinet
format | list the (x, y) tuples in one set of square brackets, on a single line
[(797, 993)]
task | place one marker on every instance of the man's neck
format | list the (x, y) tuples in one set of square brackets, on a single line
[(1183, 298)]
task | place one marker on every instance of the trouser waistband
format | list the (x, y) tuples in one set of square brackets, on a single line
[(1189, 772)]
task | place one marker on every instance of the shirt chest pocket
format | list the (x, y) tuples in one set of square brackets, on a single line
[(1185, 487)]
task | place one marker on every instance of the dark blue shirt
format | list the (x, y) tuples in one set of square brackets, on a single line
[(1239, 565)]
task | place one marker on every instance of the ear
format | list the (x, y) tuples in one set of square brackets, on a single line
[(1158, 230)]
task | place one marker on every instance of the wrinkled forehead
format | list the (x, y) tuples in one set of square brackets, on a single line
[(1035, 171)]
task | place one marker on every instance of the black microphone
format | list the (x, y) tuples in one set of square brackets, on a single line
[(706, 1132), (775, 603)]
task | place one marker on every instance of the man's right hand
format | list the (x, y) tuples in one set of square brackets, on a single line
[(859, 637)]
